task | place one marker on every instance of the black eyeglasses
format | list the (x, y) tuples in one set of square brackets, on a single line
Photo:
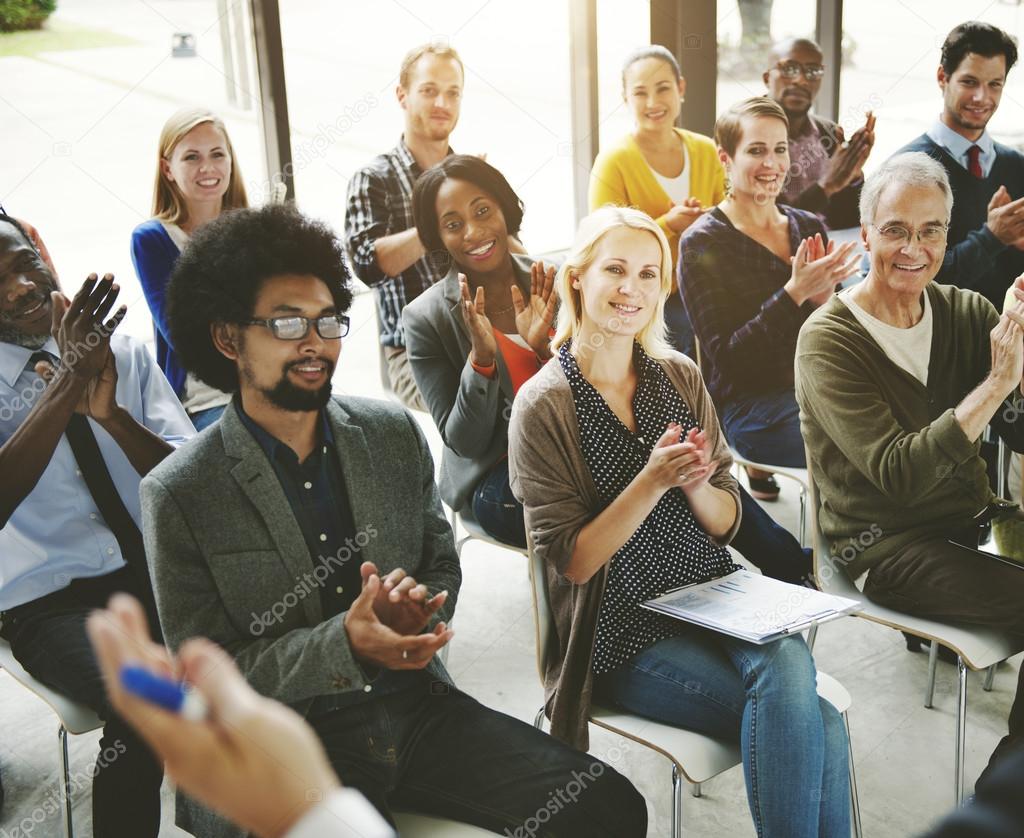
[(792, 69), (329, 326)]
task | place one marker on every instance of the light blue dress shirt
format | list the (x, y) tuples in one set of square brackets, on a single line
[(57, 533), (957, 145)]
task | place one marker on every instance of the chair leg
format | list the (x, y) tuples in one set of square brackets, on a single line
[(677, 802), (854, 798), (961, 729), (65, 782), (803, 517), (933, 662), (990, 676), (812, 635), (538, 720), (695, 790)]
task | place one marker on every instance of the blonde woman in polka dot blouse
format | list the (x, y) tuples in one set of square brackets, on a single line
[(616, 453)]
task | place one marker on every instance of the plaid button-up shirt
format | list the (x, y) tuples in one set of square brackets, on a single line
[(746, 323), (380, 204)]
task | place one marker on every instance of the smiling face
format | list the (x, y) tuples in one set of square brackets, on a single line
[(758, 168), (620, 288), (971, 94), (472, 226), (25, 287), (293, 375), (433, 98), (200, 165), (795, 95), (652, 93), (905, 269)]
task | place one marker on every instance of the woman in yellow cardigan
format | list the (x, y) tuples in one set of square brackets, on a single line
[(671, 174)]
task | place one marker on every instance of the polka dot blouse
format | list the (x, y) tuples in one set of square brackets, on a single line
[(670, 548)]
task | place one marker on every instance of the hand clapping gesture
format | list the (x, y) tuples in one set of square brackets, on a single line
[(534, 317), (683, 215), (481, 333), (1006, 218), (817, 269), (847, 164), (680, 463)]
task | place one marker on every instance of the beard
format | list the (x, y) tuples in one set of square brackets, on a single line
[(290, 397), (9, 333)]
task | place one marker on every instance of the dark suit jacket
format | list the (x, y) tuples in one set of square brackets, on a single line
[(229, 562)]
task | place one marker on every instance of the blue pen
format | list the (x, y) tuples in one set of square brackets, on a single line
[(164, 692)]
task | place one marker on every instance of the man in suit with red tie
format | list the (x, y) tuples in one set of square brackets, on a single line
[(985, 243)]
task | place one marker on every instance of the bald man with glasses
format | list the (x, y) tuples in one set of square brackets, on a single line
[(825, 173)]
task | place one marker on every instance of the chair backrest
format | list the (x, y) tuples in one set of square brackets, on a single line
[(76, 718), (542, 616), (830, 573)]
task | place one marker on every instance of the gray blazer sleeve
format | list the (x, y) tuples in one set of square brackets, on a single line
[(462, 402), (297, 665)]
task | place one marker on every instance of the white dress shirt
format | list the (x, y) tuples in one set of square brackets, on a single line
[(957, 145), (344, 813), (57, 533)]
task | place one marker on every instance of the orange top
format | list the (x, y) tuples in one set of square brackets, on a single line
[(522, 363)]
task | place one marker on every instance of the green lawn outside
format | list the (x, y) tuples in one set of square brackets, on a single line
[(57, 35)]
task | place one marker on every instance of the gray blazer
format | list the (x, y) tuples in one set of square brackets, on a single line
[(229, 562), (470, 411)]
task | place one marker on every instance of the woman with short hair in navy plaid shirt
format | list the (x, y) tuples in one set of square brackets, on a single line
[(750, 273)]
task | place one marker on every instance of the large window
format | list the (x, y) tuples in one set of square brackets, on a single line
[(341, 65), (82, 104)]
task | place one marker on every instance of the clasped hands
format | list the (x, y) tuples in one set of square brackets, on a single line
[(534, 317), (385, 622), (677, 462)]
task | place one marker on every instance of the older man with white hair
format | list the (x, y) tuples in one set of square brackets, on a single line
[(897, 379)]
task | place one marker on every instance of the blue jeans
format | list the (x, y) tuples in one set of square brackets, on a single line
[(678, 325), (793, 742), (496, 508), (766, 429), (204, 418), (433, 749)]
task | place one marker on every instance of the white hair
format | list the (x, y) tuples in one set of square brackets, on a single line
[(913, 169)]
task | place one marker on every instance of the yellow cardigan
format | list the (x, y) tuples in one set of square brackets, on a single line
[(621, 176)]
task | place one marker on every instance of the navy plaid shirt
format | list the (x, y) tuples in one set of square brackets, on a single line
[(380, 204), (746, 323)]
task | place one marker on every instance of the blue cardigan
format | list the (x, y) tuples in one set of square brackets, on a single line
[(154, 256)]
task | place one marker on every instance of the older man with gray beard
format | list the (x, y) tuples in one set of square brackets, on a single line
[(897, 379)]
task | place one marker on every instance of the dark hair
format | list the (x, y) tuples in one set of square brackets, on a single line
[(17, 225), (651, 51), (979, 38), (472, 170), (219, 275)]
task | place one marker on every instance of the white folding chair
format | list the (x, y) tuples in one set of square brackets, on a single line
[(71, 717), (695, 758), (976, 647), (797, 475)]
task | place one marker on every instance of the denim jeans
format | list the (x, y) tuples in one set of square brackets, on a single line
[(204, 418), (496, 508), (48, 638), (679, 327), (766, 429), (434, 750), (793, 742)]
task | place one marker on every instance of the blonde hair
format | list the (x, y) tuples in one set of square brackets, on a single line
[(728, 129), (440, 50), (168, 202), (591, 230)]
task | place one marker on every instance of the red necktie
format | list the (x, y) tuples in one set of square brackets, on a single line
[(973, 163)]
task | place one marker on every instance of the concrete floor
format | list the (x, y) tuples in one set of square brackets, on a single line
[(903, 752)]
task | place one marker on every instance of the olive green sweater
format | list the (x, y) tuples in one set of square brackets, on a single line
[(886, 451)]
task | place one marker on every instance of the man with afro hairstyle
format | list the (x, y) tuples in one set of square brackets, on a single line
[(304, 534)]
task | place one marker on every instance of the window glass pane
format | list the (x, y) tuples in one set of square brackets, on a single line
[(342, 61), (621, 28), (82, 106), (892, 74), (746, 30)]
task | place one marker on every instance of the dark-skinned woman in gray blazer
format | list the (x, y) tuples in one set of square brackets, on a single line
[(478, 334)]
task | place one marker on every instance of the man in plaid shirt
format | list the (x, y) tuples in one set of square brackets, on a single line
[(384, 246)]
